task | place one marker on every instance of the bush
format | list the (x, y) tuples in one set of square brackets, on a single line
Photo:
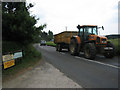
[(50, 43), (30, 51), (8, 46), (31, 57)]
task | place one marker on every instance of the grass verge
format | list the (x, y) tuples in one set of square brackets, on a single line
[(50, 43), (116, 44), (31, 58)]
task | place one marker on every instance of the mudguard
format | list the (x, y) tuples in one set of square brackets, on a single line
[(77, 38), (78, 41)]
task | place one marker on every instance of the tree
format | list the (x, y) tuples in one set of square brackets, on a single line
[(50, 35), (17, 24), (44, 36), (38, 36)]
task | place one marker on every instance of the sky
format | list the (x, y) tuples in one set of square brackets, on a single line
[(59, 14)]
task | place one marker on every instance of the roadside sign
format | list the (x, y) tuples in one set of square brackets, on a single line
[(7, 57), (17, 55), (8, 64), (10, 59)]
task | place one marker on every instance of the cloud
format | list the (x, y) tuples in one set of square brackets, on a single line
[(61, 13)]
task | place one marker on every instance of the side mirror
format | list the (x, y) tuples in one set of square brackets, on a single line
[(78, 26), (102, 27)]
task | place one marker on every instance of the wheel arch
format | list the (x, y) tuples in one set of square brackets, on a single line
[(77, 38), (78, 41)]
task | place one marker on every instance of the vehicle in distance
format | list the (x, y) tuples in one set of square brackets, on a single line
[(43, 42), (85, 40)]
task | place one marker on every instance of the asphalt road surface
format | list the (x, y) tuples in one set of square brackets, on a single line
[(98, 73)]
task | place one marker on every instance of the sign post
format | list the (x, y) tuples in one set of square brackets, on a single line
[(9, 59)]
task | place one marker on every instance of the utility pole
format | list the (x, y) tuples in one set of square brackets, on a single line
[(66, 28)]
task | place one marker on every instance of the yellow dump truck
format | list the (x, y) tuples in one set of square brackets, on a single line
[(62, 40)]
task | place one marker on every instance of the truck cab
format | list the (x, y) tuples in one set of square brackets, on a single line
[(89, 33)]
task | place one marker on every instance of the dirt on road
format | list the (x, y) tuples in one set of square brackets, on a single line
[(42, 76)]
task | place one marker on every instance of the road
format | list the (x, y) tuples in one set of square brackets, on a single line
[(43, 75), (98, 73)]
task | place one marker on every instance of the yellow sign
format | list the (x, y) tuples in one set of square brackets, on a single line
[(7, 57), (9, 64)]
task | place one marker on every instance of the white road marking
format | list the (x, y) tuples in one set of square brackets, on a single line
[(62, 53), (98, 62)]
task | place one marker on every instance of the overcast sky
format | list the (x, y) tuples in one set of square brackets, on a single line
[(58, 14)]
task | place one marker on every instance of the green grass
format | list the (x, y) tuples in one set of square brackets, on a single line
[(31, 57), (116, 43), (50, 43)]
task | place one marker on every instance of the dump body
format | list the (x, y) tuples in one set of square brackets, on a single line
[(64, 37)]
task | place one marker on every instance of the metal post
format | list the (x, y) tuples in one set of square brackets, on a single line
[(66, 28)]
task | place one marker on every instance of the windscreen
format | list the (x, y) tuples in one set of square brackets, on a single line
[(90, 30)]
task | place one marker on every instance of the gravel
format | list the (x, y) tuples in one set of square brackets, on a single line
[(42, 76)]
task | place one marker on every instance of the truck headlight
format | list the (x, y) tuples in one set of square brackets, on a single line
[(104, 41)]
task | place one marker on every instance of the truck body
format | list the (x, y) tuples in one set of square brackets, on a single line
[(64, 37)]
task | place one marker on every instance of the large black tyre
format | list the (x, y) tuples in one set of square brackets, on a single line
[(90, 51), (73, 47), (59, 47), (110, 54)]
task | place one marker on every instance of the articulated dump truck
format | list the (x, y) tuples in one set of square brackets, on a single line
[(85, 40)]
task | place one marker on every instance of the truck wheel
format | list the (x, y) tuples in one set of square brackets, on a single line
[(110, 54), (59, 48), (73, 47), (90, 51)]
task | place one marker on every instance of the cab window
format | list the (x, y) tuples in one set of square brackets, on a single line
[(81, 31)]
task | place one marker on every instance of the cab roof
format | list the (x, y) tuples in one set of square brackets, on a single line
[(88, 25)]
